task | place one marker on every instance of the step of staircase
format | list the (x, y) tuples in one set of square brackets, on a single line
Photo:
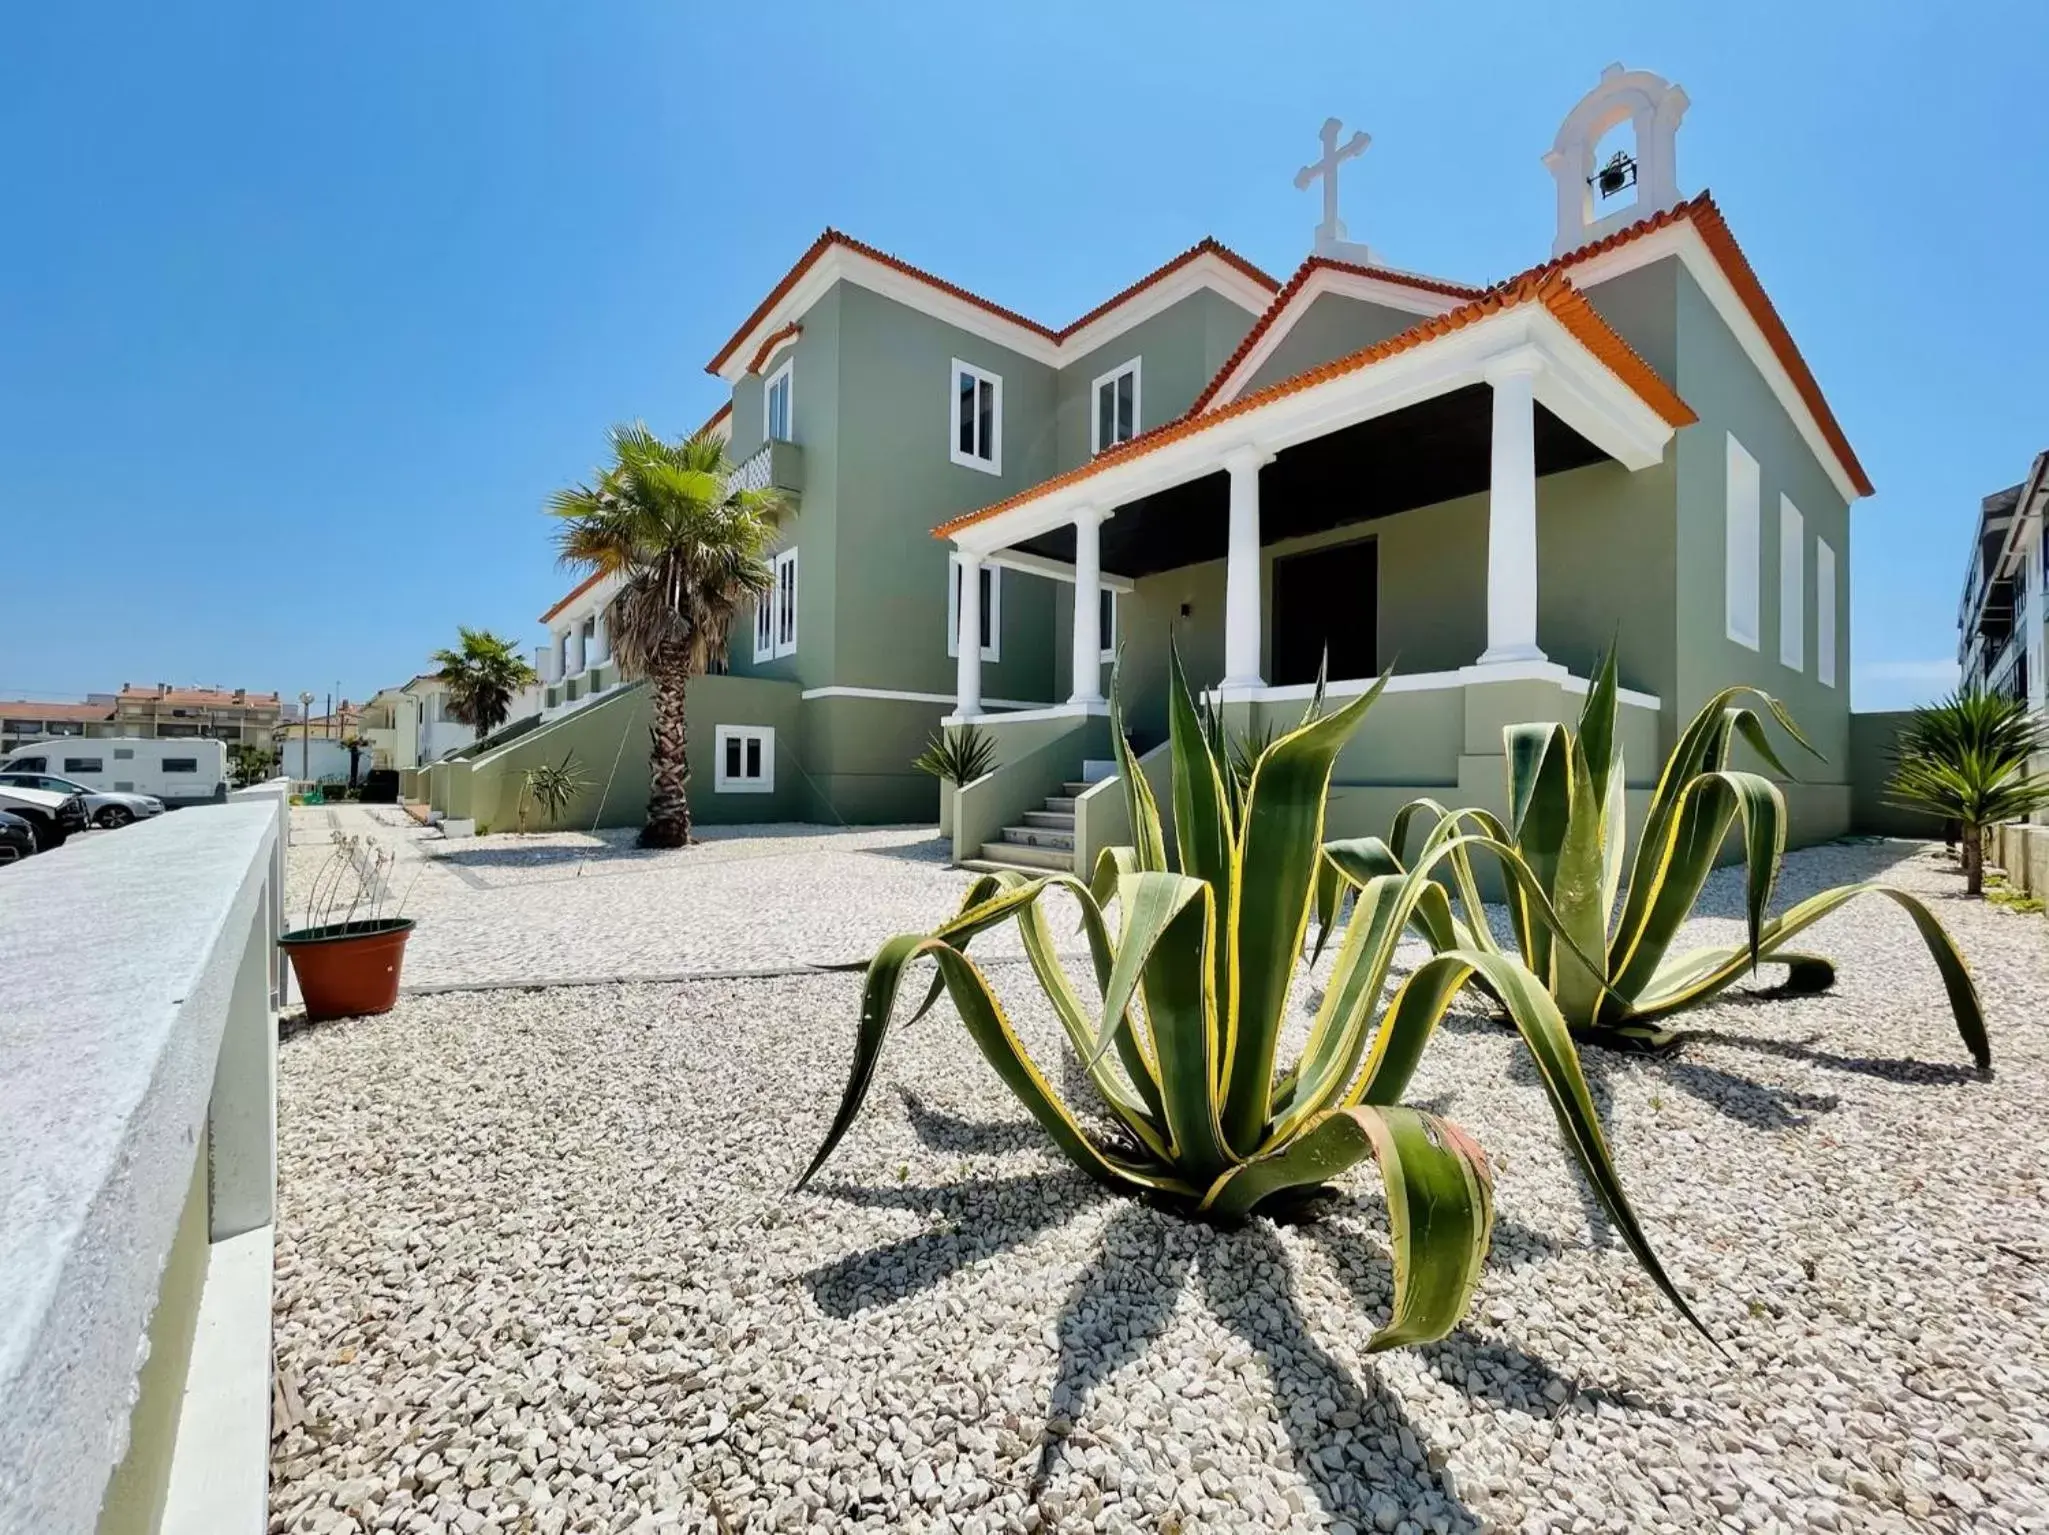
[(1040, 836), (1074, 790), (1063, 803), (1051, 819), (1020, 855)]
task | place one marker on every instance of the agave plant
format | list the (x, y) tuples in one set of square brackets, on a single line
[(1180, 1042), (958, 756), (1616, 978), (1970, 759), (550, 788)]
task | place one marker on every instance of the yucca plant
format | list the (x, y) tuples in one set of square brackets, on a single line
[(550, 788), (957, 756), (1617, 979), (1180, 1042), (1969, 759)]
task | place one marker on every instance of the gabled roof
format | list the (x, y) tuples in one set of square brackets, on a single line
[(575, 592), (1552, 290), (29, 709), (1284, 304), (833, 240), (1706, 220)]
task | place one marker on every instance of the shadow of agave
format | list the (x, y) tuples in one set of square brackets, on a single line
[(1906, 1071), (942, 1131)]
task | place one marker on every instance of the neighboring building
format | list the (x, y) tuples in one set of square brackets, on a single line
[(2002, 618), (1482, 488), (391, 724), (167, 712), (26, 720)]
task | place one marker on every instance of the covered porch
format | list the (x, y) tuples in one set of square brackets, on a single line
[(1383, 511)]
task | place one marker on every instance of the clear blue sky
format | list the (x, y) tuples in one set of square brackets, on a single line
[(305, 308)]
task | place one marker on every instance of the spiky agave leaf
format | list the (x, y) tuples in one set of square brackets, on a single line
[(1440, 1204)]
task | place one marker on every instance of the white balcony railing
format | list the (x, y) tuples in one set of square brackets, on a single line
[(138, 1055), (753, 472)]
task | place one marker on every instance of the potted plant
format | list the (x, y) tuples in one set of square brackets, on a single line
[(347, 959)]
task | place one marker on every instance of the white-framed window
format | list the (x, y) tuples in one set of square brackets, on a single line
[(974, 418), (1792, 586), (779, 403), (1106, 622), (1824, 613), (786, 603), (1744, 534), (775, 611), (1114, 417), (992, 609), (745, 759)]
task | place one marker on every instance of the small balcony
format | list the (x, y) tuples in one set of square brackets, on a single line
[(775, 466)]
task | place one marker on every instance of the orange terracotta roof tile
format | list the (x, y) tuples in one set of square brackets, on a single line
[(1553, 291), (30, 709), (1287, 296), (575, 592), (833, 237), (1713, 229), (205, 698), (714, 419), (787, 333)]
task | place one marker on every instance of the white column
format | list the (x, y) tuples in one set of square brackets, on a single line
[(1241, 571), (576, 649), (601, 642), (1512, 514), (967, 688), (1088, 607)]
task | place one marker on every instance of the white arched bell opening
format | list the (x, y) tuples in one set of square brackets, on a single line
[(1653, 106)]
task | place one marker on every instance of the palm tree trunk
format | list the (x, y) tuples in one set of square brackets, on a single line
[(1974, 858), (668, 801)]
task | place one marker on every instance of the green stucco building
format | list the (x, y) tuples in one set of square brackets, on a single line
[(1480, 488)]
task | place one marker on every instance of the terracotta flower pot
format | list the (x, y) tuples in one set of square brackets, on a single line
[(349, 969)]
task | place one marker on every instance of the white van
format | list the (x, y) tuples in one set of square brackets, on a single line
[(191, 770)]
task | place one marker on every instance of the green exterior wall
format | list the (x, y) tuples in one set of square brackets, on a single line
[(608, 741), (1333, 326), (1720, 382), (1180, 350), (857, 760), (1874, 740)]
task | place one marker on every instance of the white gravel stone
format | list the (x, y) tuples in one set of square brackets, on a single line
[(539, 1268)]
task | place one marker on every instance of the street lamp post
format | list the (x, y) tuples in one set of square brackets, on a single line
[(305, 737)]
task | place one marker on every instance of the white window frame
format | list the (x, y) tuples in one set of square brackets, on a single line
[(1107, 595), (993, 464), (787, 596), (723, 784), (1741, 598), (764, 623), (1792, 586), (787, 375), (1096, 443), (992, 609), (1824, 612)]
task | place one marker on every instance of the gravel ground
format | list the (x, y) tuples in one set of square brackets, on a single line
[(539, 1269), (576, 905)]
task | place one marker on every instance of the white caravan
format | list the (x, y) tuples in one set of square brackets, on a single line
[(190, 770)]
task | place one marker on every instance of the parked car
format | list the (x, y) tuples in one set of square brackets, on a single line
[(52, 817), (17, 838), (110, 810)]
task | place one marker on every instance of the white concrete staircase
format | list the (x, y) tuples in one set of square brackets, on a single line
[(1043, 839)]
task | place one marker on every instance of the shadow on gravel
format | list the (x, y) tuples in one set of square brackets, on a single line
[(1908, 1072), (933, 852), (942, 1131), (552, 856)]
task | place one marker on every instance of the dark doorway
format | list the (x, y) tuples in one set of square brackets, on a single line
[(1326, 598)]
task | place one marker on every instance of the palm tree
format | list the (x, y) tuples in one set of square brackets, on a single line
[(482, 677), (689, 546), (1968, 759)]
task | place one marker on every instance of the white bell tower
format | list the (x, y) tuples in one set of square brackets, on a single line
[(1653, 106)]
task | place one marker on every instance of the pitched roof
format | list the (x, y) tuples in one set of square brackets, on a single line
[(201, 698), (1288, 294), (30, 709), (833, 237), (1552, 290), (1713, 229), (711, 421), (575, 592)]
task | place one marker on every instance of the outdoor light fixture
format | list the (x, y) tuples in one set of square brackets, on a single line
[(1617, 175)]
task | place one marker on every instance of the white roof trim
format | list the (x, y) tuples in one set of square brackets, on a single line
[(840, 263), (587, 603), (1570, 381), (1352, 285), (1681, 239)]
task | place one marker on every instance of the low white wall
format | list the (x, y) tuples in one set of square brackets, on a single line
[(139, 1028)]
